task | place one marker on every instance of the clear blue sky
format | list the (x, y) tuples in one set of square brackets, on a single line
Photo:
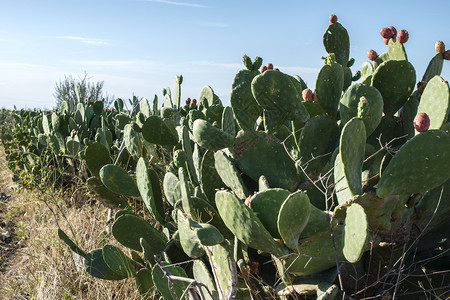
[(139, 46)]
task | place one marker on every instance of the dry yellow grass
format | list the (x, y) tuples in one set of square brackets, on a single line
[(35, 263)]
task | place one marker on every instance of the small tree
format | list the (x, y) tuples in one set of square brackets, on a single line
[(87, 91)]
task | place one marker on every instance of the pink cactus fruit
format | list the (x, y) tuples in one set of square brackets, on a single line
[(394, 31), (308, 95), (270, 66), (447, 55), (386, 32), (439, 47), (402, 36), (263, 69), (194, 101), (276, 69), (333, 19), (421, 122), (372, 54), (385, 41), (188, 100), (247, 201)]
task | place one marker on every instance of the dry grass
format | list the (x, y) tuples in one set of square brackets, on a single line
[(35, 263)]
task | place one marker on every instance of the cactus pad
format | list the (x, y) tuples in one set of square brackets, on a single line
[(293, 217), (355, 233), (245, 224), (421, 164)]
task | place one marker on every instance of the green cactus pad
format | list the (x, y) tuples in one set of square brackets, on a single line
[(117, 261), (337, 41), (72, 146), (96, 156), (396, 50), (186, 144), (318, 222), (318, 139), (251, 148), (230, 176), (96, 266), (421, 164), (129, 229), (211, 137), (395, 79), (245, 224), (329, 86), (155, 131), (224, 269), (208, 93), (104, 195), (228, 123), (293, 218), (348, 77), (349, 105), (351, 158), (150, 190), (355, 233), (189, 242), (316, 253), (145, 108), (171, 188), (434, 67), (209, 178), (162, 282), (208, 235), (435, 102), (63, 236), (131, 138), (203, 275), (206, 213), (366, 72), (187, 191), (144, 283), (276, 92), (246, 109), (266, 206), (118, 181), (408, 112)]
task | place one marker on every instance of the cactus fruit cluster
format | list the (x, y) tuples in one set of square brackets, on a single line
[(327, 185)]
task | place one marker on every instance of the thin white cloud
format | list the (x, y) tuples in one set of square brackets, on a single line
[(178, 3), (211, 24), (84, 40)]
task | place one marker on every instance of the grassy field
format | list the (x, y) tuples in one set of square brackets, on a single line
[(34, 263)]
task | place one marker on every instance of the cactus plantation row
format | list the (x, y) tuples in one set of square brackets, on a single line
[(288, 192)]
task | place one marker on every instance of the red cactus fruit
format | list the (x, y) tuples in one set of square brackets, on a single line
[(333, 19), (402, 36), (394, 31), (421, 122), (386, 32), (112, 109), (439, 47), (276, 69), (308, 95), (188, 100), (372, 55), (270, 66), (263, 69), (447, 55), (385, 41), (194, 101)]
